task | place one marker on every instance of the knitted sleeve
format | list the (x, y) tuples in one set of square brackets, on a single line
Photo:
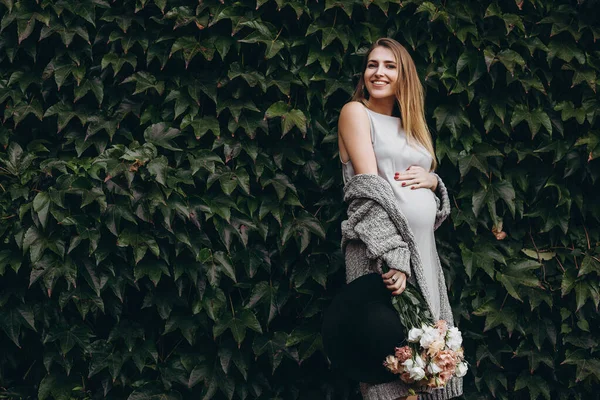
[(370, 224), (443, 202)]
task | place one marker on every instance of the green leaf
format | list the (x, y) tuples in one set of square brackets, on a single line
[(345, 5), (452, 118), (277, 109), (481, 256), (65, 113), (235, 107), (566, 50), (585, 291), (536, 386), (201, 125), (249, 124), (226, 265), (309, 340), (237, 323), (495, 316), (191, 47), (203, 159), (473, 61), (19, 111), (252, 78), (12, 319), (204, 85), (264, 32), (144, 81), (323, 56), (160, 134), (93, 85), (9, 4), (7, 257), (495, 356), (280, 183), (117, 61), (269, 294), (329, 33), (592, 142), (41, 205), (588, 265), (535, 357), (69, 337), (586, 366), (515, 275), (510, 58), (149, 392), (158, 169), (293, 118), (535, 119), (275, 348)]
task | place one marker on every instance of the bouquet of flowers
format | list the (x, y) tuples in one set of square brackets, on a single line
[(434, 352)]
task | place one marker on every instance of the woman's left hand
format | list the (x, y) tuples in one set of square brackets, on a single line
[(417, 177)]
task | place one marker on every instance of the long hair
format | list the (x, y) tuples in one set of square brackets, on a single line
[(410, 98)]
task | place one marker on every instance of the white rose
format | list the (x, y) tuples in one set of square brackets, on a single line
[(414, 335), (453, 339), (417, 373), (408, 364), (461, 369), (433, 368), (419, 362), (430, 335)]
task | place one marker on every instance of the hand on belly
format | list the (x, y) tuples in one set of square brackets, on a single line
[(418, 206)]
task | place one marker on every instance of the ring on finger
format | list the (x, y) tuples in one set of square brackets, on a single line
[(394, 279)]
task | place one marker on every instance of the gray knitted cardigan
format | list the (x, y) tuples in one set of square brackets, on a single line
[(375, 232)]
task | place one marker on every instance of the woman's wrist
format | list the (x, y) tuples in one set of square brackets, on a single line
[(434, 181)]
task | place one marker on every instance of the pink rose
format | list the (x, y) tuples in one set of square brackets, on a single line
[(446, 360), (391, 363), (403, 353), (445, 376), (435, 348), (442, 327)]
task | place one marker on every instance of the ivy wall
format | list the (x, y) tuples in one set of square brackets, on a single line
[(171, 196)]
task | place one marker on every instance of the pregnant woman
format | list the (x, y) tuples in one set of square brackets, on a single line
[(382, 133)]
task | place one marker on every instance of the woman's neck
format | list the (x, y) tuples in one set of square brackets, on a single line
[(382, 106)]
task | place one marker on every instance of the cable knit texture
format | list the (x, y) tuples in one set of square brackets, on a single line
[(375, 232)]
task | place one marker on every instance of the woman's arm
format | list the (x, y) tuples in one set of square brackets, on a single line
[(354, 133)]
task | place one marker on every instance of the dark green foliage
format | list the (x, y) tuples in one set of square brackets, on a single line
[(171, 193)]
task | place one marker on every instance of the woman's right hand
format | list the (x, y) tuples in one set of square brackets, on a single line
[(395, 280)]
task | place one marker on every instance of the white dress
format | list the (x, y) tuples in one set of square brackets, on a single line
[(394, 154)]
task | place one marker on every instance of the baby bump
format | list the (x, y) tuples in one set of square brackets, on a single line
[(418, 206)]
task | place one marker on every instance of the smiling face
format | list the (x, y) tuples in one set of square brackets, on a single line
[(381, 73)]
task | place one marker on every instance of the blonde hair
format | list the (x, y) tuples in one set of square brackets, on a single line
[(410, 98)]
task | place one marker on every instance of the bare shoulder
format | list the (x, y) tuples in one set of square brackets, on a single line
[(353, 117), (354, 131), (353, 110)]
